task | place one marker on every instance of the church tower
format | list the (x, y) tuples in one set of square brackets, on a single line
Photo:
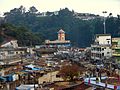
[(61, 35)]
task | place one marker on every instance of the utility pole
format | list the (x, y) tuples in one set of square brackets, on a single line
[(104, 12)]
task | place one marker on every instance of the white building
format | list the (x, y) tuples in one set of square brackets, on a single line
[(101, 49), (103, 39), (11, 43), (9, 50), (11, 53)]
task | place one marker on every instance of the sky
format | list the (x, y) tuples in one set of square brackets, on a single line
[(81, 6)]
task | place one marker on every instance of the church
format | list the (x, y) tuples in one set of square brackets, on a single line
[(60, 42)]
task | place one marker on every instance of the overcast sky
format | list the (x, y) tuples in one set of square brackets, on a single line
[(82, 6)]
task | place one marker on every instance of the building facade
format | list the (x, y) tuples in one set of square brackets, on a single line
[(11, 43), (11, 53), (101, 49), (116, 48)]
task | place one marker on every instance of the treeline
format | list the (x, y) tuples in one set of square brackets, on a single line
[(80, 32)]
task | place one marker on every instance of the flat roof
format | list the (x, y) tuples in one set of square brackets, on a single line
[(103, 34)]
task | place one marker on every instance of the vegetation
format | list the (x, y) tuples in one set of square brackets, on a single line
[(81, 32), (23, 35), (69, 72)]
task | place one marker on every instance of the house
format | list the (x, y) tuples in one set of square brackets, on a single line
[(11, 53), (10, 43), (49, 77)]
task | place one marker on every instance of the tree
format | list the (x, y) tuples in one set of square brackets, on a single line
[(22, 9), (69, 72), (32, 10)]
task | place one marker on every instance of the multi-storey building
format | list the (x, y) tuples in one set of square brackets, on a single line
[(116, 48), (11, 53), (11, 50), (101, 49)]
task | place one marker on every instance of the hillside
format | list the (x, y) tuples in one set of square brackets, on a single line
[(80, 28), (24, 36)]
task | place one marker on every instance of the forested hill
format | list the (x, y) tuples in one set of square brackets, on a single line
[(80, 28)]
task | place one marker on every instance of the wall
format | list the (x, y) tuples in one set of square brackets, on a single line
[(103, 40)]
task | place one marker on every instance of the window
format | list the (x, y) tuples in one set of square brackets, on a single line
[(102, 48), (108, 52), (102, 54), (57, 76), (10, 52), (92, 49)]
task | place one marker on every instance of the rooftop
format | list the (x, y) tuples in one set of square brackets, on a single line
[(103, 34), (61, 31)]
